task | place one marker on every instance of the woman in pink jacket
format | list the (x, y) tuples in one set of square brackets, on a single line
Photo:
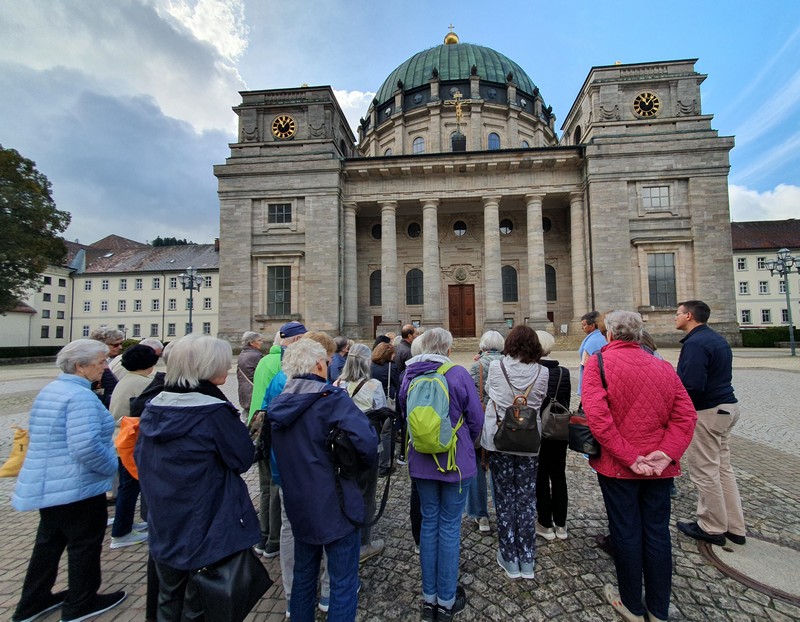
[(642, 417)]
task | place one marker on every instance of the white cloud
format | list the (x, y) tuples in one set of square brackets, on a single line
[(778, 204), (354, 105), (220, 23)]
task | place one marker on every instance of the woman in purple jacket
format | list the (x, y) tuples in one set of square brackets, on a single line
[(443, 494)]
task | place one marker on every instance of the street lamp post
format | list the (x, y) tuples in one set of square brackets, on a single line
[(190, 280), (783, 266)]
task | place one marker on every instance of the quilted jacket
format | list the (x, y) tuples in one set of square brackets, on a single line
[(70, 456), (646, 408)]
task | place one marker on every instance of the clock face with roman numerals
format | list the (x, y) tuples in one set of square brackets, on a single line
[(284, 126), (646, 104)]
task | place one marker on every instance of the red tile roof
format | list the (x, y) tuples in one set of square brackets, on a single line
[(766, 235)]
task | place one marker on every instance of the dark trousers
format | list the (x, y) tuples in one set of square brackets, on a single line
[(551, 484), (177, 597), (415, 513), (125, 510), (638, 517), (79, 528)]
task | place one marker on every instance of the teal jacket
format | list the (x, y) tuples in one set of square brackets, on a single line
[(266, 370)]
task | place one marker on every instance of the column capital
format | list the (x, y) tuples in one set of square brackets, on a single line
[(576, 196), (534, 197), (491, 199), (429, 202), (350, 206), (388, 205)]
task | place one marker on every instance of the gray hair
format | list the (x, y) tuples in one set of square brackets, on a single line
[(492, 340), (341, 343), (79, 352), (165, 352), (107, 335), (152, 342), (624, 325), (357, 365), (302, 356), (197, 357), (546, 340), (250, 336), (436, 341)]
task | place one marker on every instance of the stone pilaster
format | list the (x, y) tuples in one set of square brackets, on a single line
[(492, 272), (350, 290), (577, 244), (537, 290), (432, 307), (390, 318)]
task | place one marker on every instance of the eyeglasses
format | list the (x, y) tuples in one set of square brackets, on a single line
[(679, 313)]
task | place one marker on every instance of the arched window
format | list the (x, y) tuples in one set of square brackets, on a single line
[(510, 291), (377, 232), (550, 283), (525, 144), (414, 287), (418, 146), (577, 136), (375, 289), (388, 151), (494, 141)]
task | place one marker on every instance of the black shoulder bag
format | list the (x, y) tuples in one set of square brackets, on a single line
[(581, 438)]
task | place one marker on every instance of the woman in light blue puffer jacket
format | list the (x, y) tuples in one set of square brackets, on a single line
[(69, 467)]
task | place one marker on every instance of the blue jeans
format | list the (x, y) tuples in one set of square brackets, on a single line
[(442, 504), (127, 494), (638, 518), (477, 497), (343, 571)]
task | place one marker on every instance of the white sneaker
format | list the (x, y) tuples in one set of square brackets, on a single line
[(561, 532), (134, 537), (483, 524), (140, 526), (545, 532)]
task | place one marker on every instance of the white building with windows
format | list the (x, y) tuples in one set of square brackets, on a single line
[(761, 297)]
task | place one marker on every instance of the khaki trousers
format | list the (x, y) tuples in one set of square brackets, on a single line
[(719, 507)]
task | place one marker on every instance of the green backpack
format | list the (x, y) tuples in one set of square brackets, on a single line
[(428, 408)]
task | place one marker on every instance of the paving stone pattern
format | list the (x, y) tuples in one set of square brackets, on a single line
[(569, 574)]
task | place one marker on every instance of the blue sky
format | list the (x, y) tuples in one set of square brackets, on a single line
[(126, 105)]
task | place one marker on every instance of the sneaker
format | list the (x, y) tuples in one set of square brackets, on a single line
[(402, 461), (371, 550), (102, 603), (324, 603), (545, 532), (416, 549), (511, 568), (134, 537), (428, 612), (271, 550), (140, 526), (259, 548), (445, 614), (613, 599), (526, 570), (483, 524), (51, 603), (561, 532)]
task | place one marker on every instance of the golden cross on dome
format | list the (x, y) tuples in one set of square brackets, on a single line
[(451, 26), (457, 101)]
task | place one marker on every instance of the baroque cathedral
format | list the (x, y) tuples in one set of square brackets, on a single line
[(459, 205)]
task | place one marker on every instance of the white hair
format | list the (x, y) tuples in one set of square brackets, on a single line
[(492, 340), (107, 335), (546, 340), (250, 336), (357, 366), (197, 357), (435, 341), (624, 325), (152, 342), (79, 352), (301, 357)]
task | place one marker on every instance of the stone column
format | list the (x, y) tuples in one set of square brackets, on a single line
[(432, 307), (492, 273), (390, 318), (577, 244), (350, 290), (537, 290)]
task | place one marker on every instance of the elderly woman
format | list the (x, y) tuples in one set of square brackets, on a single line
[(443, 493), (246, 366), (191, 454), (67, 472), (384, 371), (491, 345), (514, 474), (113, 338), (640, 413)]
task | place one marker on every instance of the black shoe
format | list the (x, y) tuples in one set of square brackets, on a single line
[(693, 530), (101, 603), (429, 613), (271, 550), (604, 544), (444, 614), (49, 604), (740, 540)]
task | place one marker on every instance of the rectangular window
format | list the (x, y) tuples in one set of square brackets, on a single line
[(137, 305), (766, 316), (154, 330), (746, 316), (137, 330), (122, 306), (62, 282), (59, 332), (59, 315), (62, 298), (46, 297), (104, 305), (206, 328), (279, 290), (172, 304), (85, 330), (173, 282), (784, 316), (156, 282), (661, 279), (741, 263), (123, 285), (45, 314), (87, 286), (761, 263), (87, 305), (744, 288), (155, 305), (170, 330), (104, 284), (279, 213), (763, 287), (122, 328), (207, 304), (781, 287), (47, 280), (655, 197), (137, 283), (206, 281), (45, 332)]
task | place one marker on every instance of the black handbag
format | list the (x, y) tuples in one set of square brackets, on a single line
[(231, 587), (581, 438), (555, 416), (518, 431)]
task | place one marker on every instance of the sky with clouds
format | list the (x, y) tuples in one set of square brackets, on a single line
[(125, 105)]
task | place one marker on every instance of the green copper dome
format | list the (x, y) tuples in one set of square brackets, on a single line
[(454, 61)]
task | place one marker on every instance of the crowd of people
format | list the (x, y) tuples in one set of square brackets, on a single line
[(309, 424)]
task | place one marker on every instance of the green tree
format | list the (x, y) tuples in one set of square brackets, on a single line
[(30, 226)]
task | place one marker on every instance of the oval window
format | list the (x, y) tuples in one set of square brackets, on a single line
[(414, 230), (460, 228), (376, 232), (506, 226), (546, 224)]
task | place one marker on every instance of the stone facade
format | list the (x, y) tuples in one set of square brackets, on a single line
[(629, 210)]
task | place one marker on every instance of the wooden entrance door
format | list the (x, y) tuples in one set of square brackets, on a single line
[(462, 310)]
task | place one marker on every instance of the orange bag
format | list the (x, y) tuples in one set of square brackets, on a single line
[(125, 443)]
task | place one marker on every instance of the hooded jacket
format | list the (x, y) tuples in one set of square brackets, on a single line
[(302, 416), (464, 401), (191, 452)]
